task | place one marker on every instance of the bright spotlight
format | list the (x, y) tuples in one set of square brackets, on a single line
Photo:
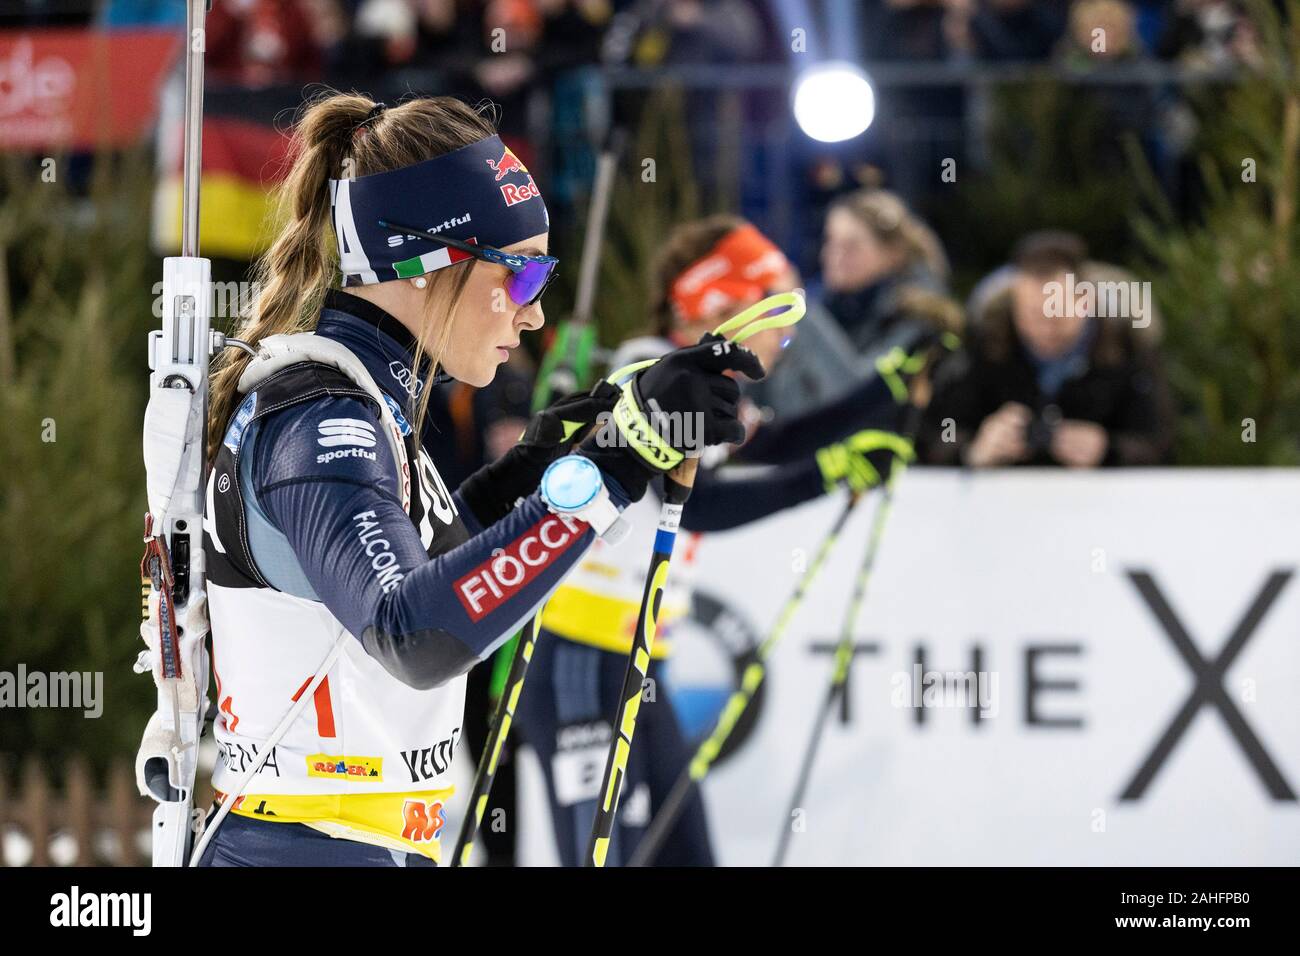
[(834, 102)]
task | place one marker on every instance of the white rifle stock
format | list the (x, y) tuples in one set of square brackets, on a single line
[(176, 628)]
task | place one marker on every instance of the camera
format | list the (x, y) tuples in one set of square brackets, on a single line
[(1041, 428)]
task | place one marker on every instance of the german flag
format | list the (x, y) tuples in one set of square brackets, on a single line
[(245, 156)]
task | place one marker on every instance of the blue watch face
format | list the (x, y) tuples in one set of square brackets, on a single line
[(571, 482)]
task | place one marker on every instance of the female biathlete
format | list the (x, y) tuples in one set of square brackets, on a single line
[(707, 271), (350, 591)]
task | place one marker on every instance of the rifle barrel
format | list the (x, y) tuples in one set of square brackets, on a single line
[(195, 37)]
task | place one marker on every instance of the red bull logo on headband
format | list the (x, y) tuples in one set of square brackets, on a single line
[(508, 163), (511, 192)]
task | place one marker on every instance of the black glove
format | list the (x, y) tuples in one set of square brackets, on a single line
[(491, 492), (689, 381), (680, 404)]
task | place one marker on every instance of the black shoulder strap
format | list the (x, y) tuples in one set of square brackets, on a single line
[(230, 560)]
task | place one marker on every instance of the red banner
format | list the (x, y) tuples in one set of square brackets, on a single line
[(81, 89)]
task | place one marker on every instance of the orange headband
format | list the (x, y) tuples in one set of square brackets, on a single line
[(743, 265)]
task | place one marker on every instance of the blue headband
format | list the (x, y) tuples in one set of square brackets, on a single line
[(480, 193)]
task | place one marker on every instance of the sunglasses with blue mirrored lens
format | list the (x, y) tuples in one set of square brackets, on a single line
[(529, 275)]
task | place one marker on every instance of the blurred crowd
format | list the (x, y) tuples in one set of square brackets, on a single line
[(1059, 358), (1196, 33), (260, 42), (1048, 373), (1054, 360)]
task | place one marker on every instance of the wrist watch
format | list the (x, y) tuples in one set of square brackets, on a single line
[(574, 485)]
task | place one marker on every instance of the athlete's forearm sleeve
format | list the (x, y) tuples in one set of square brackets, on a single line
[(869, 405), (732, 496), (425, 619)]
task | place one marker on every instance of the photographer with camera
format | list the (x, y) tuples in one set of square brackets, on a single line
[(1061, 368)]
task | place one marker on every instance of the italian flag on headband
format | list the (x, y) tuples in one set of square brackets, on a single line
[(430, 262)]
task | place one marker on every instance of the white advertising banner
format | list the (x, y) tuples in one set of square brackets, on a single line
[(1050, 668)]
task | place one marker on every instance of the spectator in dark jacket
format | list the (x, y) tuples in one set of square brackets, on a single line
[(1054, 373)]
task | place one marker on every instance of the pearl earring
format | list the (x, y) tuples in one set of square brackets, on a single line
[(420, 282)]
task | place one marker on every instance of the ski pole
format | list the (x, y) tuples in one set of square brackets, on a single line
[(487, 764), (564, 369), (567, 364), (843, 656), (755, 673), (678, 484), (752, 678)]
